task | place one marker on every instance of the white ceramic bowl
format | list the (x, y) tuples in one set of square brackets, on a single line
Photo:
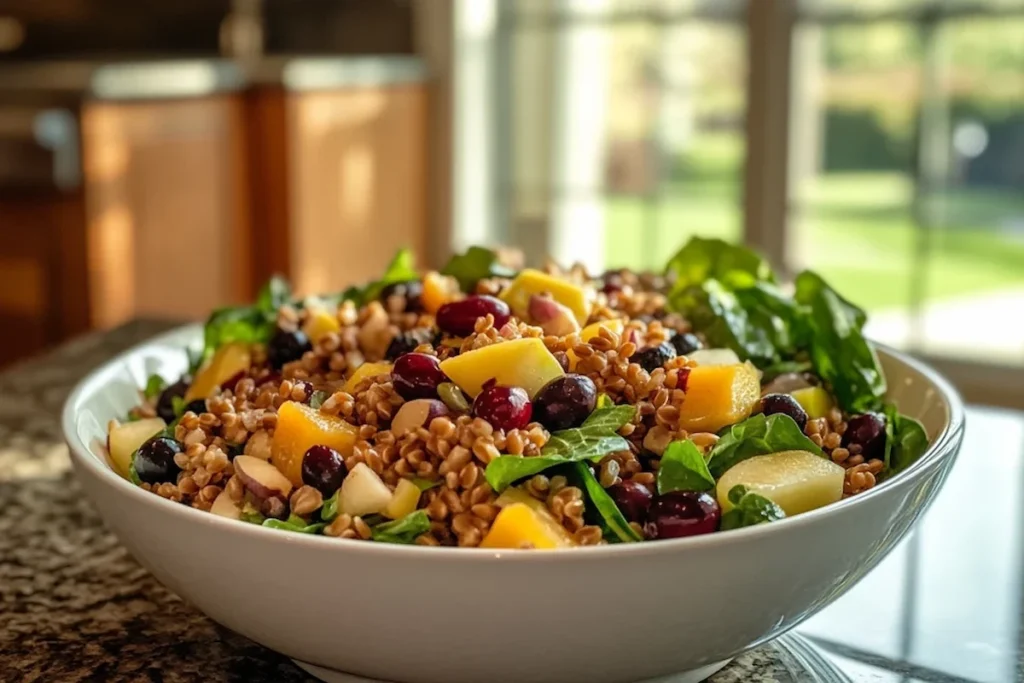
[(446, 615)]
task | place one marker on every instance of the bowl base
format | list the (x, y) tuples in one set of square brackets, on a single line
[(334, 676)]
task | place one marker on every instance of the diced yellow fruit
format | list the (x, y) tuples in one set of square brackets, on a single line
[(797, 481), (298, 428), (815, 400), (719, 395), (525, 363), (321, 323), (123, 440), (592, 330), (513, 495), (403, 501), (227, 361), (367, 370), (530, 282), (438, 290), (714, 357), (520, 526)]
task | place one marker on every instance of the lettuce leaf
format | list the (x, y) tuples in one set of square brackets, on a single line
[(758, 435), (478, 263), (683, 468), (750, 509)]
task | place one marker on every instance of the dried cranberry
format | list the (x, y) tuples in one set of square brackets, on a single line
[(417, 375), (633, 500), (324, 469), (504, 407), (787, 405), (459, 317), (682, 513)]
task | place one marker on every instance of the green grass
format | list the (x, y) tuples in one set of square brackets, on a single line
[(855, 228)]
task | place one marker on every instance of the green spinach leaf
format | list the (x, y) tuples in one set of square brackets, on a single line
[(478, 263), (613, 522), (570, 445), (133, 474), (404, 531), (683, 468), (154, 385), (758, 435), (750, 509), (703, 259), (251, 515), (840, 353), (401, 269), (317, 399), (425, 484), (784, 367), (718, 313), (905, 440), (294, 523), (329, 510), (248, 324), (611, 418)]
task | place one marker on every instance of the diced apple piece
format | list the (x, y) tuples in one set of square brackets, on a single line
[(363, 492), (719, 395), (521, 526), (261, 478), (224, 506), (797, 481), (530, 282), (712, 357), (417, 413), (525, 363), (123, 440), (298, 428), (320, 323), (438, 290), (815, 400), (591, 331), (552, 317), (403, 501), (367, 370), (229, 360)]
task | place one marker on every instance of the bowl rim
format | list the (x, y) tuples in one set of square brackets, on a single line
[(945, 445)]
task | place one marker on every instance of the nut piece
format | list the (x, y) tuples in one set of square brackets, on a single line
[(554, 318), (224, 506), (417, 413), (306, 501), (261, 478)]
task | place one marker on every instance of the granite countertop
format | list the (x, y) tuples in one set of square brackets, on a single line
[(74, 605)]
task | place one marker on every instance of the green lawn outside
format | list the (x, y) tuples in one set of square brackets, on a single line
[(855, 228)]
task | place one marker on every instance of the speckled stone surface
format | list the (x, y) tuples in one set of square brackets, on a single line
[(74, 605)]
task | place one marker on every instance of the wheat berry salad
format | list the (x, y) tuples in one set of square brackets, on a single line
[(489, 406)]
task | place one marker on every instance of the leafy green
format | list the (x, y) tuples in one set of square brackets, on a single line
[(702, 259), (404, 531), (251, 515), (401, 269), (274, 294), (611, 418), (178, 405), (595, 439), (425, 484), (154, 385), (195, 359), (133, 474), (840, 353), (317, 399), (758, 435), (613, 523), (905, 440), (476, 264), (784, 367), (604, 401), (683, 468), (248, 324), (329, 511), (750, 509), (294, 523)]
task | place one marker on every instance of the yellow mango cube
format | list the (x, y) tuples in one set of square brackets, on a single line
[(591, 331), (814, 400), (298, 428), (530, 282), (719, 395), (367, 370), (227, 361), (525, 363), (320, 323), (520, 526), (796, 481), (438, 290)]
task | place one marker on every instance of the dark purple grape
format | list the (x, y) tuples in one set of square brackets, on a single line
[(324, 469), (416, 375), (633, 500), (654, 357), (406, 342), (787, 405), (504, 407), (682, 513), (197, 406), (868, 432), (165, 404), (459, 317), (412, 290), (285, 347), (613, 282), (686, 343), (154, 461), (565, 402)]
